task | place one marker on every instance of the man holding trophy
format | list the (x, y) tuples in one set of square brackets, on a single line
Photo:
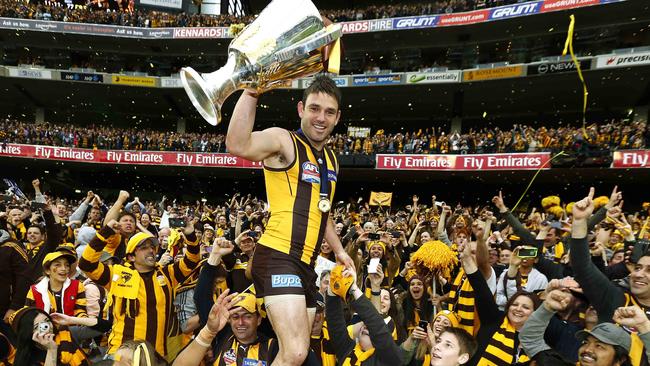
[(300, 172)]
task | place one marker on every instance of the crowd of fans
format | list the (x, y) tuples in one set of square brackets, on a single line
[(122, 12), (449, 283), (594, 139)]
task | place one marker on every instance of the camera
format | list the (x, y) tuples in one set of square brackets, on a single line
[(35, 206), (44, 328), (176, 222), (527, 252), (373, 236)]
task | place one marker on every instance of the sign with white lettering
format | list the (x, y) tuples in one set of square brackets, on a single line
[(515, 161), (126, 157), (631, 159)]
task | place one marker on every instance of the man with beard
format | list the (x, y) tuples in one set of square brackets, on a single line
[(300, 173), (605, 345), (141, 291), (604, 295)]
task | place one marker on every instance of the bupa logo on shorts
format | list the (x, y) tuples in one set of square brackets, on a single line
[(310, 173), (285, 280)]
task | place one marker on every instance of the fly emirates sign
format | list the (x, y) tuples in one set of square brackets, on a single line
[(126, 157), (523, 161)]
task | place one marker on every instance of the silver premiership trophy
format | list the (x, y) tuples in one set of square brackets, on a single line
[(288, 40)]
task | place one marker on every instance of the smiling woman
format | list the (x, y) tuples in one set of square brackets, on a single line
[(498, 336), (56, 293)]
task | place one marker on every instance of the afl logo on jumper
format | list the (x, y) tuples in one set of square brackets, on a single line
[(229, 357), (310, 173)]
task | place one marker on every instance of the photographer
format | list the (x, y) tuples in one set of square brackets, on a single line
[(520, 276)]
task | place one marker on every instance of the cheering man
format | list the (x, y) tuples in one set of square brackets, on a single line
[(300, 175)]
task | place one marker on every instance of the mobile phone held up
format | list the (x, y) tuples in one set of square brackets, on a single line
[(527, 252), (176, 222)]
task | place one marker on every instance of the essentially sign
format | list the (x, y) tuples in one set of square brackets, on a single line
[(30, 73), (133, 80), (631, 159), (630, 59), (515, 161), (557, 67), (376, 79), (126, 157), (432, 77), (82, 76), (493, 73)]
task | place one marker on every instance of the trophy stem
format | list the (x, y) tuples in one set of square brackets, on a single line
[(208, 91)]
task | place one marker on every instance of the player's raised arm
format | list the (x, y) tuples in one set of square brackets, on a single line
[(255, 146)]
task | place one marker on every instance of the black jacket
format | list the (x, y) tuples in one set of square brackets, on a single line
[(387, 352)]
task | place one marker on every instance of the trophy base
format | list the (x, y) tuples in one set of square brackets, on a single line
[(197, 89)]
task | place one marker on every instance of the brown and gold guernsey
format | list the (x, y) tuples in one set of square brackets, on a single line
[(296, 226)]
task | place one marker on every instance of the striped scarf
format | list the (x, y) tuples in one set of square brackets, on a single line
[(637, 348), (191, 280), (358, 356), (501, 349), (461, 301), (328, 352)]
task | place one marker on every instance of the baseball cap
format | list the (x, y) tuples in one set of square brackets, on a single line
[(248, 302), (208, 227), (607, 333), (51, 257), (66, 247), (138, 239)]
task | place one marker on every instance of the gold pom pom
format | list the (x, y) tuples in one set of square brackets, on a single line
[(600, 202), (550, 201), (556, 211), (434, 257)]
